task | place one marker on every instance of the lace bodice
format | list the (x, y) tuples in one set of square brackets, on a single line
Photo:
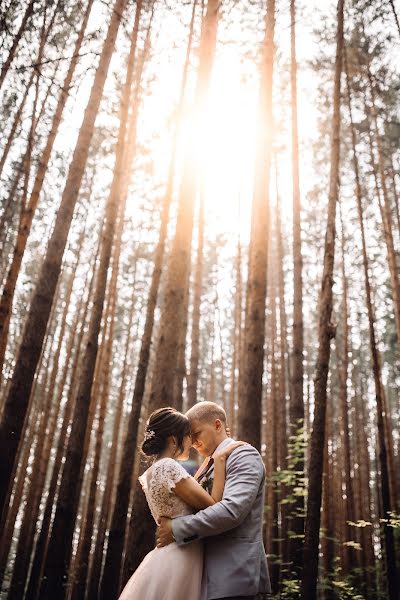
[(158, 482)]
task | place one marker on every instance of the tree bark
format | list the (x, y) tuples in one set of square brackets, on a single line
[(42, 456), (194, 357), (376, 368), (172, 314), (41, 547), (296, 411), (254, 335), (284, 369), (16, 404), (81, 563), (94, 576), (343, 369), (308, 588), (60, 544), (28, 209), (237, 341), (16, 122), (27, 15)]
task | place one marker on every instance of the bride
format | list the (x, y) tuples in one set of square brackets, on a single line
[(173, 572)]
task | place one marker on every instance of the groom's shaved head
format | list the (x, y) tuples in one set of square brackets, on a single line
[(207, 412)]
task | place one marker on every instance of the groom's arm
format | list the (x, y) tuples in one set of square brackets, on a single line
[(244, 474)]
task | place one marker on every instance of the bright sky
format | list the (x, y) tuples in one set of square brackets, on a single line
[(226, 147)]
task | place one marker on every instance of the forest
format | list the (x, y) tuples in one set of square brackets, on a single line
[(199, 200)]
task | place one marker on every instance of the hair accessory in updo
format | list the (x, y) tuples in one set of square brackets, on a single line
[(162, 424), (149, 434)]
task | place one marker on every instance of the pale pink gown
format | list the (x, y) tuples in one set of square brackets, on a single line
[(172, 572)]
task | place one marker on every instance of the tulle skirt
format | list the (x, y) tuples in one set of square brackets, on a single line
[(170, 573)]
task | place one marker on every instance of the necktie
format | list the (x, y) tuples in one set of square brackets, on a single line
[(206, 469)]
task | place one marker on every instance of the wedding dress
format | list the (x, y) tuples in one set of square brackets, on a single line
[(172, 572)]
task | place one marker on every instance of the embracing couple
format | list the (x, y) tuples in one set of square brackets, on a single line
[(209, 536)]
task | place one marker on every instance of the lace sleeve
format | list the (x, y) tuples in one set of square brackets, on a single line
[(171, 472)]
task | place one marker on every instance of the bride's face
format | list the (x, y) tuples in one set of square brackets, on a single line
[(187, 444)]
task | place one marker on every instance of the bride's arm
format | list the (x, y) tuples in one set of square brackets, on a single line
[(195, 495)]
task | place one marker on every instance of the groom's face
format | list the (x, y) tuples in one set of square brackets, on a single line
[(204, 436)]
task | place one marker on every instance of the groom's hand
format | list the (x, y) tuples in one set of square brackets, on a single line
[(164, 532)]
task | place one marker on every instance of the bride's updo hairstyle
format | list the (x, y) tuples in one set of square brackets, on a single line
[(161, 424)]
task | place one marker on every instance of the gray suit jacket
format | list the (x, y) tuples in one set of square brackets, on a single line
[(235, 561)]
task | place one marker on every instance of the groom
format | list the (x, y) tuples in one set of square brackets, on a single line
[(235, 561)]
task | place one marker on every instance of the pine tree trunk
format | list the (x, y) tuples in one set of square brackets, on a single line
[(254, 336), (16, 122), (28, 209), (172, 314), (222, 357), (7, 528), (385, 208), (272, 540), (81, 563), (180, 371), (60, 544), (194, 357), (343, 368), (237, 341), (76, 342), (296, 411), (27, 15), (325, 333), (364, 496), (94, 576), (383, 461), (327, 546), (42, 455), (16, 405), (28, 436), (283, 370)]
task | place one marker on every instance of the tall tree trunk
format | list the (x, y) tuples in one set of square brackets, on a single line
[(376, 368), (60, 544), (16, 122), (28, 209), (180, 371), (94, 577), (194, 357), (29, 435), (343, 368), (325, 333), (254, 335), (43, 537), (364, 495), (272, 539), (172, 314), (386, 216), (327, 545), (42, 455), (222, 360), (16, 404), (296, 410), (283, 370), (27, 15), (82, 558), (237, 340)]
